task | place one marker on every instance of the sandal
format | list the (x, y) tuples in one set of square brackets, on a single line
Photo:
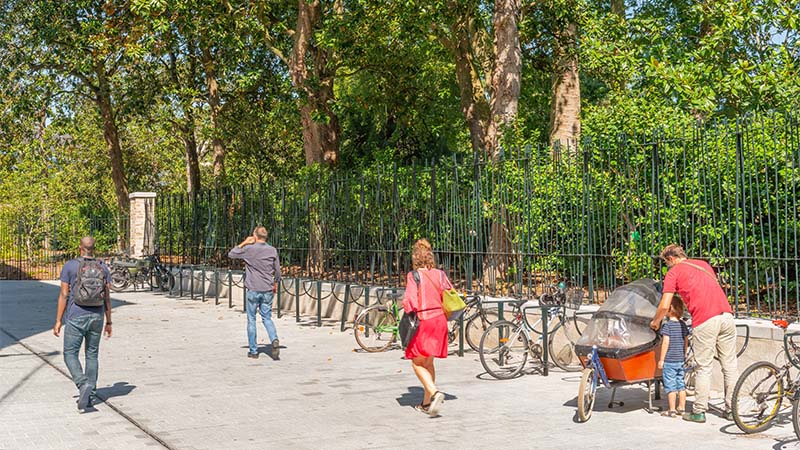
[(680, 411), (436, 403), (423, 408), (671, 413)]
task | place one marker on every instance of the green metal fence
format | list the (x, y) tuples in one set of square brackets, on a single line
[(36, 248), (598, 215)]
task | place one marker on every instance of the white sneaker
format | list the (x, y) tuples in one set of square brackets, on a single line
[(436, 403)]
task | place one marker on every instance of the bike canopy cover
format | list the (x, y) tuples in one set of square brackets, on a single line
[(623, 322)]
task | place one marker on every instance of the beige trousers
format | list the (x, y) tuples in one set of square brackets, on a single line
[(715, 337)]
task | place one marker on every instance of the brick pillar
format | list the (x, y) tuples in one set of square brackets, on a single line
[(141, 224)]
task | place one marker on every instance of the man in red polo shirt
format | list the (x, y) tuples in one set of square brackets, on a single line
[(713, 329)]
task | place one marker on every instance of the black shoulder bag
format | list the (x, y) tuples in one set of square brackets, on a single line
[(409, 324)]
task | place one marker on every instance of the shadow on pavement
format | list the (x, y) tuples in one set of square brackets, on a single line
[(782, 420), (12, 273), (28, 308), (119, 389), (414, 396), (786, 444), (633, 398), (265, 349)]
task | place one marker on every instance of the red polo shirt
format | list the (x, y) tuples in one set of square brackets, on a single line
[(703, 296)]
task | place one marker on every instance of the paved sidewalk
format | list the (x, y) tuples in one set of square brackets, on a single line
[(177, 369)]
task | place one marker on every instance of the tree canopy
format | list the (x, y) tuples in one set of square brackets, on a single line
[(100, 98)]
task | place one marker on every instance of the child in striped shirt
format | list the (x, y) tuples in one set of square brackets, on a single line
[(673, 355)]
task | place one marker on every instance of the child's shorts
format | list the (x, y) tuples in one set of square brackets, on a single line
[(672, 377)]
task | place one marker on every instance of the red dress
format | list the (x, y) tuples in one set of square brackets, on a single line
[(431, 337)]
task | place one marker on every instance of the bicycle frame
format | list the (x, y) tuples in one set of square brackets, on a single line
[(599, 371), (391, 305)]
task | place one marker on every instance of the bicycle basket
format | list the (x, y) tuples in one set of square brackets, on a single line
[(574, 298)]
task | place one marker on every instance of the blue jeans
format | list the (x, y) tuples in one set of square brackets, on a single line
[(261, 301), (89, 327), (672, 377)]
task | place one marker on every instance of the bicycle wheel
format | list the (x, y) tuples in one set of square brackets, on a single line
[(452, 333), (120, 278), (476, 326), (534, 318), (796, 417), (757, 397), (561, 345), (161, 278), (503, 350), (586, 395), (375, 329)]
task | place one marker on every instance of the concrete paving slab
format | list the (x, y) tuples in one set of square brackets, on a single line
[(177, 368)]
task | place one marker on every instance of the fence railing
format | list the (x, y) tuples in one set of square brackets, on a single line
[(598, 216), (37, 249)]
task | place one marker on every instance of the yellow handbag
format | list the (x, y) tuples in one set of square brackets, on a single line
[(452, 304)]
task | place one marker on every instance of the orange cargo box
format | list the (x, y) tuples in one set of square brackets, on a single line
[(626, 365)]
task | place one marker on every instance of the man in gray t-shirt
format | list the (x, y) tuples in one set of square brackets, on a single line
[(262, 275)]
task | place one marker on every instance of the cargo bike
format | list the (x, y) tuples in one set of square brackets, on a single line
[(618, 347)]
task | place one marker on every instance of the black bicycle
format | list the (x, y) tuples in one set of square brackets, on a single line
[(507, 344), (139, 271), (477, 319)]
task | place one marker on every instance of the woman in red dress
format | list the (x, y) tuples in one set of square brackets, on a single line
[(431, 338)]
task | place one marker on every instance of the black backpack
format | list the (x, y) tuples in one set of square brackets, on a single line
[(90, 284)]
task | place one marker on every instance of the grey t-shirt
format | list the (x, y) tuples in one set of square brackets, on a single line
[(68, 275), (263, 269)]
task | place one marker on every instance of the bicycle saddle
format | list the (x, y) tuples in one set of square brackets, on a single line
[(517, 304)]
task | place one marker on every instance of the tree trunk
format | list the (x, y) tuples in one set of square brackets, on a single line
[(507, 71), (565, 108), (320, 138), (504, 105), (192, 160), (111, 137), (475, 108), (618, 7), (474, 105), (188, 128), (214, 104)]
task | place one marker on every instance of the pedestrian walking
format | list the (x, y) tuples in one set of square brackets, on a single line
[(84, 297), (674, 344), (262, 275), (713, 329), (423, 295)]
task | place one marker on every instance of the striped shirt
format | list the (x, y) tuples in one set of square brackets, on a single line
[(677, 331)]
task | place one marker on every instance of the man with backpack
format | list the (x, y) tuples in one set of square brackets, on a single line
[(85, 299)]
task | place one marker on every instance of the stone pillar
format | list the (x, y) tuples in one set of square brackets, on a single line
[(141, 223)]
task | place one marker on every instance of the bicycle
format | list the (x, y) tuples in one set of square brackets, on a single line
[(125, 270), (761, 389), (690, 363), (506, 344), (376, 330), (376, 327), (476, 320)]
